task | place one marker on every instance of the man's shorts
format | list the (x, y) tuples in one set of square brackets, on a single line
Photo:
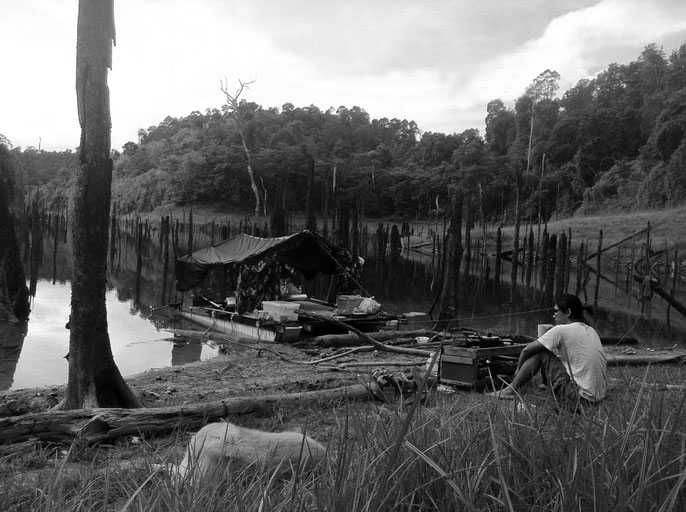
[(556, 378)]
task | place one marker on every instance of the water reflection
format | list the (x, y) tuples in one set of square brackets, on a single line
[(11, 342), (186, 352), (137, 343)]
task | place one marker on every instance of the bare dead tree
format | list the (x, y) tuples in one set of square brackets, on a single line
[(14, 294), (238, 115), (94, 379)]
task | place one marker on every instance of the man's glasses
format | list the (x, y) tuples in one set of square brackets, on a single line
[(555, 310)]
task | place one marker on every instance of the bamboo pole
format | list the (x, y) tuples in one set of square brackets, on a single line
[(561, 256), (544, 261), (530, 259), (498, 256), (579, 268), (550, 275), (597, 277)]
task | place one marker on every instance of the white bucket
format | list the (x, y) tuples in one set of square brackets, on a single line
[(434, 370), (543, 328)]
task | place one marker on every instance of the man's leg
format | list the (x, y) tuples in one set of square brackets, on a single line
[(565, 392), (527, 370)]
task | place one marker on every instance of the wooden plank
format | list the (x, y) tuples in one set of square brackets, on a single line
[(457, 359)]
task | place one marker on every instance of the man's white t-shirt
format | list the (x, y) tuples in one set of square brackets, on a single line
[(577, 346)]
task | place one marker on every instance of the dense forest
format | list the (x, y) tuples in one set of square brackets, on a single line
[(613, 143)]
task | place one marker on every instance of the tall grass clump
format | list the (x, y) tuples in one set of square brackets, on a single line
[(456, 451)]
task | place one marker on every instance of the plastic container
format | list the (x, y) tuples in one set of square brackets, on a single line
[(345, 304), (543, 328), (434, 370), (281, 310)]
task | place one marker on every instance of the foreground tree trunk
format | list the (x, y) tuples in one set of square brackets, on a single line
[(14, 295), (94, 379)]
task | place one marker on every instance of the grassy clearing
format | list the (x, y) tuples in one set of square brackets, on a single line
[(665, 225), (458, 451)]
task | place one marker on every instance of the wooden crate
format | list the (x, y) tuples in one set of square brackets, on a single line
[(473, 367)]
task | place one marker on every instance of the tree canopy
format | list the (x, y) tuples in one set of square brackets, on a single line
[(615, 142)]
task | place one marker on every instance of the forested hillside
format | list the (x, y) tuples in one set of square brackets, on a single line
[(614, 143)]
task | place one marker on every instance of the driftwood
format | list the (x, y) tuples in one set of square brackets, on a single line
[(657, 288), (623, 340), (342, 340), (208, 335), (627, 360), (251, 344), (365, 336), (379, 363), (99, 425), (658, 386), (324, 341)]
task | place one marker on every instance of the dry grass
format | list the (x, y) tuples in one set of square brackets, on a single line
[(665, 225), (457, 451)]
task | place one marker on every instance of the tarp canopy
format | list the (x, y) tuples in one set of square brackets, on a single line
[(306, 252)]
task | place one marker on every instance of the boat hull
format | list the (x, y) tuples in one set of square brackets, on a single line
[(235, 325)]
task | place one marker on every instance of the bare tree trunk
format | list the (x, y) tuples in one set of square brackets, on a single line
[(515, 244), (234, 112), (14, 295), (248, 156), (310, 220), (94, 379)]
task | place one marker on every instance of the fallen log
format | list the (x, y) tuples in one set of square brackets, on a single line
[(211, 336), (100, 425), (623, 340), (658, 386), (656, 287), (380, 363), (627, 360), (342, 340)]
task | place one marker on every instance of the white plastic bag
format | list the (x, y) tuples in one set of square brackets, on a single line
[(368, 306)]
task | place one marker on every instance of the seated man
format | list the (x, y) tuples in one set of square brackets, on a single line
[(569, 357)]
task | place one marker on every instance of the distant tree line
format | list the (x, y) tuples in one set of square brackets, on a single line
[(614, 143)]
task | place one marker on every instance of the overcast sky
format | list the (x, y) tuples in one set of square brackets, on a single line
[(437, 62)]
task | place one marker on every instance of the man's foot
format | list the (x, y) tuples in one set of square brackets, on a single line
[(527, 408)]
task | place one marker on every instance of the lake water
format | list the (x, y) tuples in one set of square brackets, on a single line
[(32, 355), (137, 343)]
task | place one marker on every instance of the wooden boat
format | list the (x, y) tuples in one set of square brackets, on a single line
[(262, 306)]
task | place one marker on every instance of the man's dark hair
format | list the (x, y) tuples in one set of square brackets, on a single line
[(570, 302)]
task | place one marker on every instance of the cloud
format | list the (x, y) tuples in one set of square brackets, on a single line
[(578, 45), (437, 62)]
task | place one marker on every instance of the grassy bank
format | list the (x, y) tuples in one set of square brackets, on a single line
[(457, 451), (665, 225)]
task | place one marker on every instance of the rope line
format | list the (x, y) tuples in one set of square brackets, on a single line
[(514, 313), (345, 271)]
